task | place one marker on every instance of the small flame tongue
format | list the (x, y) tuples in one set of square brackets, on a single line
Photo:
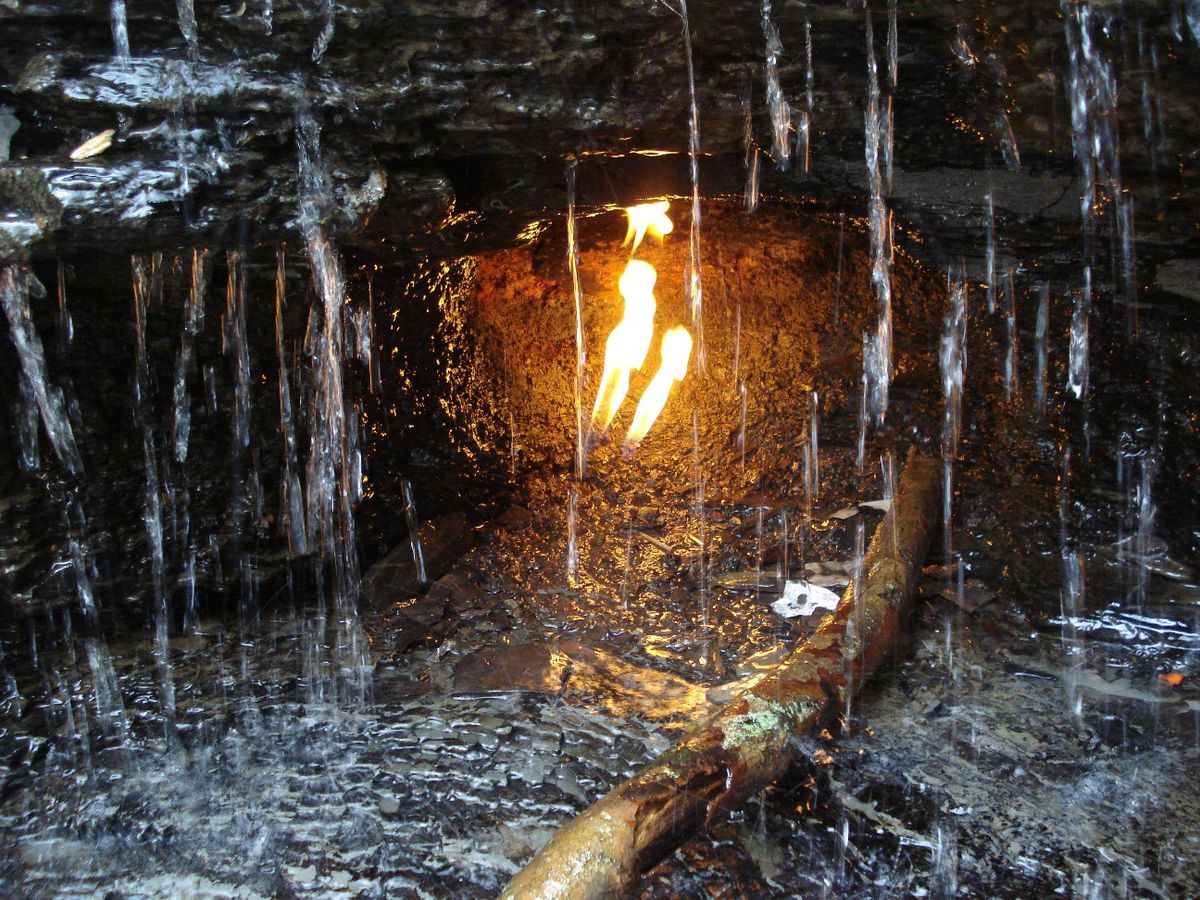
[(645, 217), (629, 342), (676, 350)]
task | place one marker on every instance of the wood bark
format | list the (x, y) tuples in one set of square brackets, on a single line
[(750, 742)]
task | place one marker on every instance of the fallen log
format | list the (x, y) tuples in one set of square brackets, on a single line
[(750, 742)]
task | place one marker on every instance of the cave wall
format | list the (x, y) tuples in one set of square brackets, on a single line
[(443, 124)]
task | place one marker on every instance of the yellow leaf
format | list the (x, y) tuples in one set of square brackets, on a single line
[(95, 145)]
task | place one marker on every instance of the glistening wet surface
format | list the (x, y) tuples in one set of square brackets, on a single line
[(1043, 742)]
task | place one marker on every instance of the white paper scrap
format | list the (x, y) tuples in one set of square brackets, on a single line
[(803, 598), (881, 505), (842, 514)]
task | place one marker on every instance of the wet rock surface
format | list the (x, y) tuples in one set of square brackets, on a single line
[(1022, 748), (468, 109)]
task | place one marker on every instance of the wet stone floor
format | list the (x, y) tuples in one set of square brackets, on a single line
[(962, 771), (426, 740)]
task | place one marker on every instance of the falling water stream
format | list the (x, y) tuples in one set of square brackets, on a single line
[(289, 615)]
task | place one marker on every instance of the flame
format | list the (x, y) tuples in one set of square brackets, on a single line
[(645, 217), (629, 342), (676, 350)]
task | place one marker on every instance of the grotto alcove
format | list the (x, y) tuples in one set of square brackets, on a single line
[(319, 578)]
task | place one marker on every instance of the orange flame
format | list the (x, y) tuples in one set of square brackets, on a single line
[(645, 217), (676, 350), (629, 342)]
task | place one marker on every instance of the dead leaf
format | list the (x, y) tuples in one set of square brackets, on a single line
[(94, 145)]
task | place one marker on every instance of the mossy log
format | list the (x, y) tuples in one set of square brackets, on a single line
[(750, 742)]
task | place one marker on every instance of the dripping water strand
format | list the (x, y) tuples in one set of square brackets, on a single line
[(15, 286), (66, 327), (1040, 337), (120, 31), (953, 359), (877, 358), (291, 493), (187, 26), (777, 105), (414, 530), (1011, 385), (143, 289), (332, 471), (193, 321), (580, 345), (695, 291)]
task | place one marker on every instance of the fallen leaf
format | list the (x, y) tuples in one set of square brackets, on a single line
[(94, 145), (829, 580), (830, 567)]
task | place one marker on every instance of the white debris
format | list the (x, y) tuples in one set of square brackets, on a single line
[(881, 505), (803, 598), (94, 145), (848, 513)]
